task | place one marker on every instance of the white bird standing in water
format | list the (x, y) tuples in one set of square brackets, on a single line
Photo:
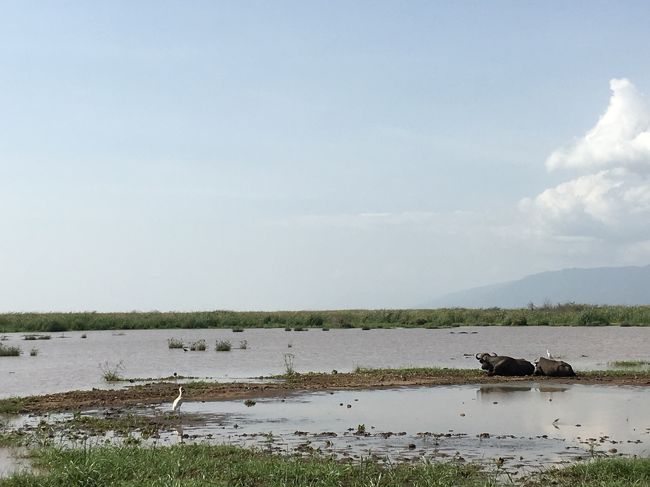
[(176, 405), (548, 354)]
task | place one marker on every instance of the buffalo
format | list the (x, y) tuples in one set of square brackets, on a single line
[(553, 368), (502, 365)]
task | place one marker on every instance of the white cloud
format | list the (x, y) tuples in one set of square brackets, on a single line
[(612, 198), (621, 138)]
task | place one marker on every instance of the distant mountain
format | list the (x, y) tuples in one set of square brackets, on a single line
[(601, 285)]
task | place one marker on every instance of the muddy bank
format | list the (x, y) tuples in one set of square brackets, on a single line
[(204, 391)]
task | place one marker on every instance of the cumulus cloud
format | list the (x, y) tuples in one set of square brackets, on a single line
[(621, 138), (612, 196)]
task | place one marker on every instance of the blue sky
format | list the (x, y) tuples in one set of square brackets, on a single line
[(301, 155)]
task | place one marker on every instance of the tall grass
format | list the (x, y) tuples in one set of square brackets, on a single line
[(560, 314), (9, 351), (223, 346), (175, 343)]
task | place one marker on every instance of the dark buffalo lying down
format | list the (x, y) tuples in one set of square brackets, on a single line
[(502, 365), (553, 368)]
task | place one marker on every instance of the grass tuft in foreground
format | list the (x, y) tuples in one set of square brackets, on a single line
[(619, 472)]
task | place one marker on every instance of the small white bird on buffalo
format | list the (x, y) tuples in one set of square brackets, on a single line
[(176, 405)]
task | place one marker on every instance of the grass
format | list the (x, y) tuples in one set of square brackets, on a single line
[(203, 465), (112, 372), (175, 343), (289, 370), (223, 346), (199, 346), (9, 351), (629, 363), (618, 472), (567, 314), (243, 345), (11, 405), (422, 371), (37, 337), (33, 352)]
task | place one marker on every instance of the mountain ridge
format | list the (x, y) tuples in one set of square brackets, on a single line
[(625, 285)]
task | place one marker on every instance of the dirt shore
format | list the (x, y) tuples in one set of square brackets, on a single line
[(163, 392)]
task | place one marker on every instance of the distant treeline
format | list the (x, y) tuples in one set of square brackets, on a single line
[(561, 314)]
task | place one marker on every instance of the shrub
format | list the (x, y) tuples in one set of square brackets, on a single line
[(223, 346), (198, 346), (175, 343), (112, 372), (7, 351)]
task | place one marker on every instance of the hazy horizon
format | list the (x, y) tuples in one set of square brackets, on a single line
[(321, 155)]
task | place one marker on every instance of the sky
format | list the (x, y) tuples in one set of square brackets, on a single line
[(283, 155)]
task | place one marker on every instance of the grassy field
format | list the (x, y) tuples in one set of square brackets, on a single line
[(203, 465), (561, 314)]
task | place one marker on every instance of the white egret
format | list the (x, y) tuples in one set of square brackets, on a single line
[(176, 405), (548, 354)]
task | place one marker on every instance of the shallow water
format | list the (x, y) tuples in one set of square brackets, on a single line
[(68, 362), (526, 425)]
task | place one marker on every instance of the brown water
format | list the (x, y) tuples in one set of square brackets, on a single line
[(68, 362)]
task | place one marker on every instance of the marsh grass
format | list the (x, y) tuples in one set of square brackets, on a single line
[(243, 345), (9, 351), (112, 372), (37, 337), (618, 472), (33, 352), (237, 329), (422, 371), (175, 343), (289, 370), (224, 465), (223, 346), (12, 405), (199, 346), (629, 363)]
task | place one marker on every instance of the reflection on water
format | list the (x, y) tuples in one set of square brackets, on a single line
[(528, 425), (67, 362)]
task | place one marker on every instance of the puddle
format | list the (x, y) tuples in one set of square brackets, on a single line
[(12, 461), (527, 425)]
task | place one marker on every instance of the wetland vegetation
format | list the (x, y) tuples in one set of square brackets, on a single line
[(570, 314), (203, 465)]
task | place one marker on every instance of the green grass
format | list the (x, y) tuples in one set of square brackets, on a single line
[(422, 371), (9, 351), (199, 346), (11, 405), (203, 465), (112, 372), (223, 346), (629, 363), (175, 343), (600, 473), (548, 315)]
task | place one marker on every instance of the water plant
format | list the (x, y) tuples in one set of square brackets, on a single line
[(199, 346), (223, 346), (629, 363), (37, 337), (237, 329), (243, 345), (112, 372), (33, 352), (249, 403), (175, 343), (289, 370), (9, 351)]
